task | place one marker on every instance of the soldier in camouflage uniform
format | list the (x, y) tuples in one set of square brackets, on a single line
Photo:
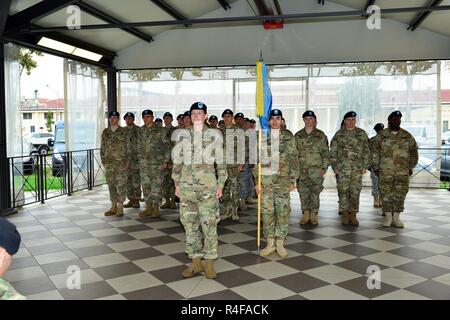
[(115, 153), (350, 159), (276, 184), (154, 156), (213, 121), (231, 189), (199, 191), (376, 194), (187, 123), (313, 156), (395, 154), (180, 121), (168, 185), (9, 245), (133, 180)]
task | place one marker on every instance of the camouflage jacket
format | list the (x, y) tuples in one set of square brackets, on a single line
[(394, 154), (153, 145), (133, 137), (204, 173), (312, 150), (288, 167), (349, 149), (7, 292), (236, 151), (115, 147)]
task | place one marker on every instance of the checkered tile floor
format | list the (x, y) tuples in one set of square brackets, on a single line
[(127, 258)]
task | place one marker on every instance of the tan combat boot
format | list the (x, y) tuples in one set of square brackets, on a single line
[(280, 248), (396, 222), (155, 212), (345, 218), (250, 200), (234, 214), (242, 205), (119, 212), (210, 273), (112, 211), (313, 217), (129, 204), (195, 267), (166, 204), (172, 203), (353, 220), (305, 218), (269, 248), (147, 211), (387, 219)]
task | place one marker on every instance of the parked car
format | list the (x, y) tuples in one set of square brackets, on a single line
[(59, 148), (39, 141), (445, 137), (445, 163)]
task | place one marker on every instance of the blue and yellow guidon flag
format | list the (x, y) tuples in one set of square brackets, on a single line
[(263, 95)]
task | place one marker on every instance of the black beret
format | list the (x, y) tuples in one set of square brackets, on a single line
[(187, 114), (147, 113), (350, 114), (276, 113), (180, 116), (221, 121), (158, 120), (167, 114), (9, 237), (239, 115), (309, 113), (395, 114), (114, 114), (378, 126), (128, 114), (252, 121), (246, 120), (213, 118), (198, 106), (227, 111)]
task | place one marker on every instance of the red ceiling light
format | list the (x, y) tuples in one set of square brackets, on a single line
[(269, 25)]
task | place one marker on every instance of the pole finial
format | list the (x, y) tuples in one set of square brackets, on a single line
[(261, 56)]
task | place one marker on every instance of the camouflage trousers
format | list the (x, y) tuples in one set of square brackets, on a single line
[(116, 178), (275, 206), (349, 186), (375, 184), (309, 186), (247, 187), (231, 189), (151, 180), (7, 292), (134, 184), (168, 188), (393, 190), (199, 214)]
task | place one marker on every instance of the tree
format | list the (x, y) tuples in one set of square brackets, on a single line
[(49, 121), (26, 60), (144, 75)]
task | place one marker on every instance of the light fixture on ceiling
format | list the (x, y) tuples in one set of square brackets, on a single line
[(67, 48)]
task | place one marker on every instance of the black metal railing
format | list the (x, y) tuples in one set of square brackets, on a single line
[(37, 178), (433, 168)]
